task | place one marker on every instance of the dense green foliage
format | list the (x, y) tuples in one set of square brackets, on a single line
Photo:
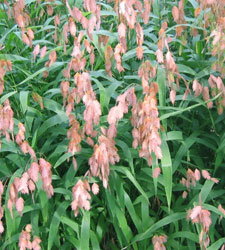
[(181, 206)]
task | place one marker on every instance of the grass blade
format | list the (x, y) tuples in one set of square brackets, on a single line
[(163, 222), (85, 231), (167, 171)]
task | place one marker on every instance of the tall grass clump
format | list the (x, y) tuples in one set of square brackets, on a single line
[(112, 124)]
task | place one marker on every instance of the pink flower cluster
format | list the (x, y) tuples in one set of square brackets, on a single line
[(140, 40), (217, 86), (117, 112), (201, 216), (168, 62), (1, 208), (129, 11), (18, 185), (92, 114), (178, 16), (6, 120), (147, 124), (85, 92), (88, 24), (27, 183), (158, 242), (108, 56), (5, 65), (73, 135), (46, 177), (23, 144), (23, 19), (105, 152), (81, 196), (221, 209), (192, 177), (82, 91), (25, 240)]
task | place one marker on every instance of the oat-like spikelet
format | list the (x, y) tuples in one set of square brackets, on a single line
[(81, 196), (105, 153)]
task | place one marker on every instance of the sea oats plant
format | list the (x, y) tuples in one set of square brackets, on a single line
[(112, 124)]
